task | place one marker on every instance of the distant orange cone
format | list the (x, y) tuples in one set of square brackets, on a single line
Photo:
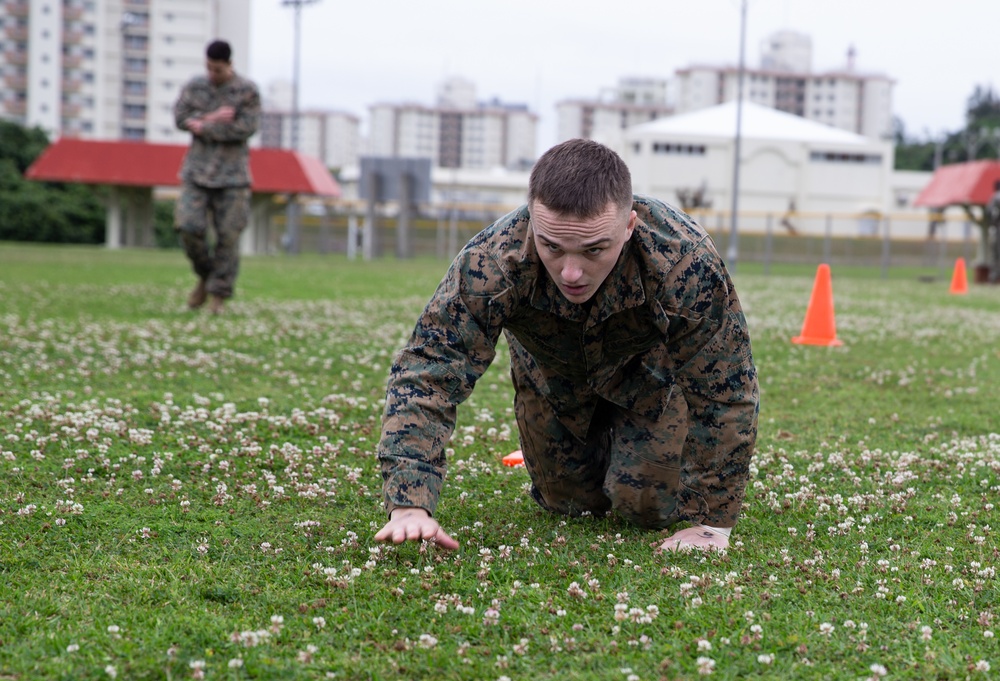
[(959, 280), (819, 327)]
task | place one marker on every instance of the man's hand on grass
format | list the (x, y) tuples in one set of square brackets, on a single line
[(695, 537), (414, 524)]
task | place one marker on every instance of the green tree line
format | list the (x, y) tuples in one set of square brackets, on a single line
[(55, 212), (979, 139)]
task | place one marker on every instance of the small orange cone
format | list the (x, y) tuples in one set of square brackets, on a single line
[(959, 280), (515, 458), (819, 327)]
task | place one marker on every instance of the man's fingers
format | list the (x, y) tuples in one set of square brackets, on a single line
[(444, 540), (399, 530)]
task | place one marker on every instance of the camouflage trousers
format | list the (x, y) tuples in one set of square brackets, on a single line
[(227, 209), (627, 463)]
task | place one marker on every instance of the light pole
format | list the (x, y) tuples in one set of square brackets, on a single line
[(292, 210), (732, 252)]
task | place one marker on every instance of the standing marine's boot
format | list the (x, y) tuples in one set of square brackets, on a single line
[(198, 295), (217, 305)]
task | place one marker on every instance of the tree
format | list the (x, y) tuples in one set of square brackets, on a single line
[(52, 212)]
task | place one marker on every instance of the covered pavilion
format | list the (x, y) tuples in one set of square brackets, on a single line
[(131, 170), (972, 186)]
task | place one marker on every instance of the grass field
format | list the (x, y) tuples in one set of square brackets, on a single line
[(185, 496)]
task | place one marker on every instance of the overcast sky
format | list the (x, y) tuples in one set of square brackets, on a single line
[(358, 52)]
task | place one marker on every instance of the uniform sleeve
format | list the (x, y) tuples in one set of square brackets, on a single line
[(184, 108), (713, 365), (453, 344), (243, 125)]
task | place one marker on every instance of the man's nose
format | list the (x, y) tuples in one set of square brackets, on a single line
[(571, 271)]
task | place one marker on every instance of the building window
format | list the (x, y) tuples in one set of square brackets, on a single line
[(841, 157), (682, 149), (636, 147)]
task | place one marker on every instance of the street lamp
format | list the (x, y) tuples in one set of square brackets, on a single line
[(732, 252), (292, 210)]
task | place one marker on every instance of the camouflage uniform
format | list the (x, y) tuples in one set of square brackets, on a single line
[(216, 178), (644, 400)]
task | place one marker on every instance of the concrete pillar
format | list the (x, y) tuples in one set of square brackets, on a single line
[(113, 224), (404, 248)]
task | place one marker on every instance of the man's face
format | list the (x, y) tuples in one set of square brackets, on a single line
[(579, 253), (218, 71)]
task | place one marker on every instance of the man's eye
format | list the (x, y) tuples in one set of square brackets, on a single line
[(552, 248), (595, 251)]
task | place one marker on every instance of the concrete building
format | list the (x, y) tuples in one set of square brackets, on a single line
[(633, 101), (110, 69), (788, 164), (334, 137), (843, 97), (457, 132)]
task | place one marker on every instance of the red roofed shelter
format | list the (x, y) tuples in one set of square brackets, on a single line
[(132, 169), (973, 186)]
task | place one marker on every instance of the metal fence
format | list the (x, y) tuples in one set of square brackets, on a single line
[(881, 241)]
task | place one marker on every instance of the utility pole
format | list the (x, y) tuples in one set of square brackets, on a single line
[(292, 209), (732, 252)]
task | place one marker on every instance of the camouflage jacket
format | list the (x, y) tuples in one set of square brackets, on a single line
[(667, 318), (219, 156)]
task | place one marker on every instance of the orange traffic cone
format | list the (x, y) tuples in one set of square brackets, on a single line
[(959, 280), (819, 327)]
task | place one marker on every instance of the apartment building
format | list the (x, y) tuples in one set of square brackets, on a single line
[(631, 102), (110, 69), (458, 132), (333, 137), (843, 98)]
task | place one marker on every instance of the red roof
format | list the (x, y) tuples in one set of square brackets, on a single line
[(961, 183), (145, 164)]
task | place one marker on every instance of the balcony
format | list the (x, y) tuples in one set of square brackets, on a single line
[(70, 110), (17, 8), (71, 61), (15, 108), (72, 13), (72, 37), (17, 33), (15, 82), (16, 57)]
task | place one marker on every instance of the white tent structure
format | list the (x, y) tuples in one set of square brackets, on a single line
[(787, 162)]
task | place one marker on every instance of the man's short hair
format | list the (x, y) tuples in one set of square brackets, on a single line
[(580, 177), (219, 50)]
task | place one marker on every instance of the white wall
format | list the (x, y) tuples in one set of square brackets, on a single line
[(772, 173)]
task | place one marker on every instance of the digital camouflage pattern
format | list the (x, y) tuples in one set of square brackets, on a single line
[(216, 178), (219, 155), (230, 208), (645, 399)]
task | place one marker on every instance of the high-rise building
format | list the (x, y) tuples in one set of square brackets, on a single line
[(456, 133), (844, 98), (633, 101), (110, 69), (331, 136)]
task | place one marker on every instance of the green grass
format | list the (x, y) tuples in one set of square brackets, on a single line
[(224, 473)]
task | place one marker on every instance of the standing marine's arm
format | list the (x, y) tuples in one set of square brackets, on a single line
[(185, 108), (711, 359), (244, 123), (451, 347)]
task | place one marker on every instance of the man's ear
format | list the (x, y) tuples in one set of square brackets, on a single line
[(632, 219)]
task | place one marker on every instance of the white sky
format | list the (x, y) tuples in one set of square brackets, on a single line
[(355, 53)]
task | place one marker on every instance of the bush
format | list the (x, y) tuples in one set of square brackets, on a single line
[(53, 212)]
